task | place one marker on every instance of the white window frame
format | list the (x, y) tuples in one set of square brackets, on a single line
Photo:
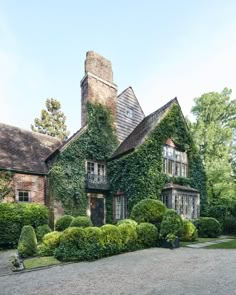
[(23, 191), (129, 112), (120, 212), (97, 170), (175, 162)]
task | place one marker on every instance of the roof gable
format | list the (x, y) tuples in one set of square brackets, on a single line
[(139, 134)]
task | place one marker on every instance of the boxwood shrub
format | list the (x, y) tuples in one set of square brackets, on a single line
[(13, 216), (147, 235), (127, 221), (63, 222), (148, 210), (81, 221), (171, 225), (208, 227), (190, 232), (112, 240), (41, 231), (27, 245), (49, 243), (129, 236)]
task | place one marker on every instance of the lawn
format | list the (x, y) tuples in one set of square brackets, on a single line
[(40, 261), (200, 240), (226, 245)]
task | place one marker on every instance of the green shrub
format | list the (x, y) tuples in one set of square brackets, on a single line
[(127, 221), (63, 222), (230, 225), (27, 245), (171, 226), (49, 244), (128, 236), (190, 233), (41, 231), (208, 227), (147, 235), (81, 221), (13, 216), (93, 239), (148, 210), (112, 239)]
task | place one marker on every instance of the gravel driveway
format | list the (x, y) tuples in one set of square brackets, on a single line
[(152, 271)]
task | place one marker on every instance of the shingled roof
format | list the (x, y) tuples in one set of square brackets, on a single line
[(139, 134), (25, 151)]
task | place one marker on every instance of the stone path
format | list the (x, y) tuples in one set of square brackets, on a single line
[(205, 244), (5, 262)]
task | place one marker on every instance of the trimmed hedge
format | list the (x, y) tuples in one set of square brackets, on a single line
[(63, 222), (148, 210), (127, 221), (111, 239), (190, 232), (129, 236), (13, 216), (208, 227), (49, 244), (147, 235), (81, 221), (27, 245), (230, 225), (171, 226), (41, 231)]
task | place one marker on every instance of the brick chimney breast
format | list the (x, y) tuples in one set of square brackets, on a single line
[(97, 85)]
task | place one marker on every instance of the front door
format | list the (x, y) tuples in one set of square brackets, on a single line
[(97, 211)]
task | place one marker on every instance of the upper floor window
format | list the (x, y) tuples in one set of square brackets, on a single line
[(23, 196), (129, 112), (96, 172), (175, 163)]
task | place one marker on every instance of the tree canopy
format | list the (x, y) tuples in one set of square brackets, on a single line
[(213, 131), (52, 121)]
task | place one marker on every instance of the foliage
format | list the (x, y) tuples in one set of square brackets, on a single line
[(63, 222), (81, 221), (14, 216), (112, 239), (208, 227), (127, 221), (129, 236), (49, 244), (52, 121), (139, 174), (229, 225), (147, 235), (41, 231), (213, 132), (190, 233), (148, 210), (96, 142), (171, 225), (5, 184), (35, 262), (27, 245)]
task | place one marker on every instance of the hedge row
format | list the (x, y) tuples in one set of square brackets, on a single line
[(89, 243), (14, 216)]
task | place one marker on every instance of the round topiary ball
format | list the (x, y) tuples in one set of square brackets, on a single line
[(172, 224), (41, 231), (63, 222), (81, 221), (147, 235), (127, 221), (208, 227), (148, 210), (27, 245), (190, 232)]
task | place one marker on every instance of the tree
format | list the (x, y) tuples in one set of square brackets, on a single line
[(213, 132), (52, 121)]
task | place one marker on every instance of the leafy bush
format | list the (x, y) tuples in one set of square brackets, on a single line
[(147, 235), (27, 245), (230, 224), (63, 222), (81, 221), (41, 231), (112, 239), (148, 210), (208, 227), (127, 221), (49, 244), (14, 216), (93, 243), (171, 226), (190, 233), (128, 236)]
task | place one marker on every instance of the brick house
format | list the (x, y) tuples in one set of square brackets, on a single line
[(29, 154)]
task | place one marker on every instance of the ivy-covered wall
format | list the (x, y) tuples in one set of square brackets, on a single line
[(140, 174), (67, 174)]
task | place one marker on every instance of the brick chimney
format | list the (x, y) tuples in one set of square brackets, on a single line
[(97, 84)]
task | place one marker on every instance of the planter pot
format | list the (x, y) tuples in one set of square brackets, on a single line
[(170, 245)]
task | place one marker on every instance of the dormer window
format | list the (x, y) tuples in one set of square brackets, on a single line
[(129, 112), (175, 162)]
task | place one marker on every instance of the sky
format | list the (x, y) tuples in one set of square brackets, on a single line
[(163, 49)]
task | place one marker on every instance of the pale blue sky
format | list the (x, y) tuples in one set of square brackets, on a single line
[(162, 49)]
